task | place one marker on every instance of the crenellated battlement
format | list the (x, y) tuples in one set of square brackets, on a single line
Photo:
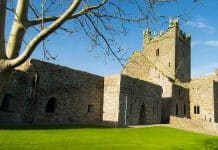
[(149, 36)]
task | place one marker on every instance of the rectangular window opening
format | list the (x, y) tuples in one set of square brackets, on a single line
[(90, 108), (195, 110), (198, 109), (157, 52)]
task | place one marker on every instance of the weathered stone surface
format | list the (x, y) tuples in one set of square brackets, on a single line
[(203, 93), (154, 85), (36, 82), (135, 94), (124, 97), (140, 67), (195, 125), (111, 99)]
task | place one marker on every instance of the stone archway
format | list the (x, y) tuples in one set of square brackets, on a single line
[(51, 105), (142, 114), (5, 106)]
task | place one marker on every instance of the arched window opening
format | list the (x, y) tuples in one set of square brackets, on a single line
[(51, 105), (142, 115), (5, 106)]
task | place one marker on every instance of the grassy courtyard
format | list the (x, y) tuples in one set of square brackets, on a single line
[(93, 137)]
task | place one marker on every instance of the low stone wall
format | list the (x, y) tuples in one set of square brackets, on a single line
[(194, 125)]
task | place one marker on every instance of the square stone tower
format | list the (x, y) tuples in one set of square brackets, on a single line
[(170, 51)]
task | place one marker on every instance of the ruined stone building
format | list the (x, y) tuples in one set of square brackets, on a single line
[(154, 85)]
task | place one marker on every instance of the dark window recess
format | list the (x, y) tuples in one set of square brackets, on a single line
[(196, 109), (51, 105), (184, 109), (177, 109), (157, 52), (90, 108), (5, 106), (169, 64)]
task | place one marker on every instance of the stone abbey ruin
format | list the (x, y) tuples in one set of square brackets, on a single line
[(154, 87)]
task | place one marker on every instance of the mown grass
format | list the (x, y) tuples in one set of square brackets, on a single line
[(95, 137)]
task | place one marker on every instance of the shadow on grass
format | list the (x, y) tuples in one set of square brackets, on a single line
[(48, 127), (211, 144)]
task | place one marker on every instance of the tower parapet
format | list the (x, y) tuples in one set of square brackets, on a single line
[(147, 35), (173, 25), (169, 50)]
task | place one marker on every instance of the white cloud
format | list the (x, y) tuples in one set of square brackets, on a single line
[(211, 43), (204, 70), (194, 43), (200, 24)]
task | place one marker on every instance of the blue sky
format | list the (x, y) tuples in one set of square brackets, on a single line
[(74, 50)]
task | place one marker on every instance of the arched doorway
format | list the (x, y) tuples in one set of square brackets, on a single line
[(5, 106), (142, 115), (51, 105)]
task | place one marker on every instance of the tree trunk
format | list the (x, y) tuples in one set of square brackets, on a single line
[(5, 74), (14, 41)]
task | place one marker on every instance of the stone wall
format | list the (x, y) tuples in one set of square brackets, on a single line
[(182, 58), (202, 96), (166, 110), (77, 96), (215, 85), (195, 125), (140, 67), (111, 99), (140, 100), (161, 51), (180, 104), (170, 51), (14, 103), (124, 98)]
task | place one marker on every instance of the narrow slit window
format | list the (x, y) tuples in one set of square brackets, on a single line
[(195, 110), (157, 52), (184, 109), (177, 109), (198, 109)]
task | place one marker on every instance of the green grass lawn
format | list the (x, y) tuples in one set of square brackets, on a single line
[(93, 137)]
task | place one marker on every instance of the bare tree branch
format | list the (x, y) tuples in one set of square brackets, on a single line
[(18, 29), (53, 18), (43, 34), (105, 40)]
